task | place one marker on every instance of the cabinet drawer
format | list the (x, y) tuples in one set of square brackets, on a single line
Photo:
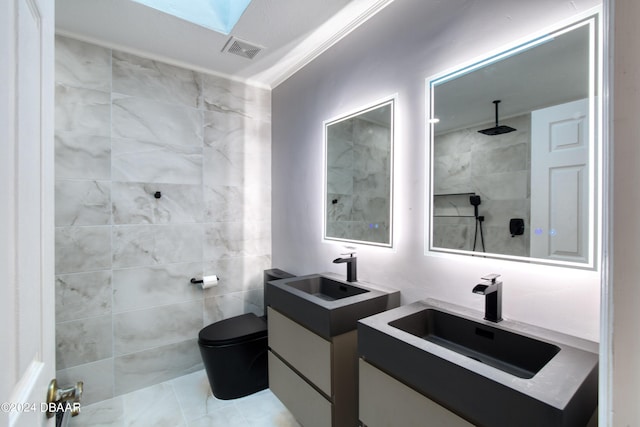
[(308, 406), (385, 401), (305, 351)]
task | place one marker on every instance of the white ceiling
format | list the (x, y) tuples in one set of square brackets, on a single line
[(548, 74), (291, 32)]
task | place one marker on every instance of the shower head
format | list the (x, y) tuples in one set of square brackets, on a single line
[(497, 130), (475, 202)]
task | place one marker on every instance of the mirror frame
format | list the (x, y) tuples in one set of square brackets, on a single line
[(593, 19), (392, 102)]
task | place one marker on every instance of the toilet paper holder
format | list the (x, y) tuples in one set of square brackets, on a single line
[(206, 282), (201, 280)]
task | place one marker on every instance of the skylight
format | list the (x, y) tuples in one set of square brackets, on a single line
[(217, 15)]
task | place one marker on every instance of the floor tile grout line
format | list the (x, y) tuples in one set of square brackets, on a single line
[(265, 401), (175, 394)]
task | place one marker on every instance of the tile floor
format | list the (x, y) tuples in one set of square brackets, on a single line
[(185, 402)]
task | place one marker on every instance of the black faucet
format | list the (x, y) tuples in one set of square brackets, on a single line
[(352, 273), (492, 297)]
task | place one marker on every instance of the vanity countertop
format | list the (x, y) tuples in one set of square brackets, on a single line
[(562, 393), (329, 318)]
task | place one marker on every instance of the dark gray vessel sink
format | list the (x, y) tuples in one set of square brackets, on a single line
[(327, 305), (326, 288), (516, 354), (492, 374)]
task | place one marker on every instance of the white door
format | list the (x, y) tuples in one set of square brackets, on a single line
[(26, 210), (560, 177)]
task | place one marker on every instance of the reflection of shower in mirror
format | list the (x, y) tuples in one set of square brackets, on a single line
[(475, 202), (497, 130), (531, 157), (359, 176)]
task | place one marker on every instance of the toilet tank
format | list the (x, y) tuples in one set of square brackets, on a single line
[(273, 274)]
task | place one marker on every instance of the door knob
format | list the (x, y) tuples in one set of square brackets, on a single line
[(63, 398)]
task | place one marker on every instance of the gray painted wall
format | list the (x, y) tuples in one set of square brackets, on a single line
[(393, 53), (624, 288)]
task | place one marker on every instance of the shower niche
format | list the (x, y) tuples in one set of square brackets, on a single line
[(516, 137)]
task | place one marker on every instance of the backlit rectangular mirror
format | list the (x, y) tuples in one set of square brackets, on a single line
[(359, 176), (514, 152)]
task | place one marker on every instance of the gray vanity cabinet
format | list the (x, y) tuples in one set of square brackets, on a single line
[(315, 378), (385, 401)]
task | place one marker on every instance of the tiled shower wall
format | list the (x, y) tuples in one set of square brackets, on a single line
[(495, 167), (358, 180), (126, 128)]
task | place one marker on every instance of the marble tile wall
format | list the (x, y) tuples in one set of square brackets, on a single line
[(127, 127), (495, 167), (359, 181)]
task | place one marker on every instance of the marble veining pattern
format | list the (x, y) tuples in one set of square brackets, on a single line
[(139, 245), (82, 202), (126, 127), (358, 181), (82, 341), (224, 128), (82, 249), (234, 168), (186, 401), (144, 120), (82, 65), (236, 239), (504, 186), (228, 305), (340, 181), (146, 161), (97, 380), (236, 274), (452, 174), (224, 203), (144, 368), (135, 203), (145, 78), (453, 236), (81, 295), (82, 110), (146, 287), (81, 156), (195, 396), (340, 153), (372, 185), (153, 327), (150, 402), (339, 207), (452, 205), (227, 96), (495, 167), (500, 160)]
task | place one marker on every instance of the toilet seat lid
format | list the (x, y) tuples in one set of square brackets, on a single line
[(233, 330)]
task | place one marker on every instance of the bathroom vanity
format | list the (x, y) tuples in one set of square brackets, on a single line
[(436, 361), (386, 401), (313, 362)]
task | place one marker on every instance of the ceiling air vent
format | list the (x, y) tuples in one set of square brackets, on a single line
[(241, 48)]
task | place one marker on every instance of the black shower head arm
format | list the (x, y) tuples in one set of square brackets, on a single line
[(496, 102)]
